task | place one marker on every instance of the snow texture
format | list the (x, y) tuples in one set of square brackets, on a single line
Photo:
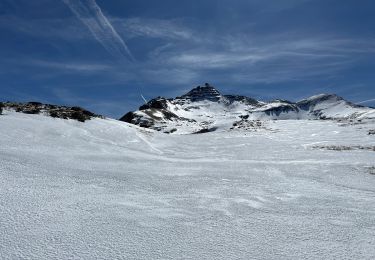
[(105, 189)]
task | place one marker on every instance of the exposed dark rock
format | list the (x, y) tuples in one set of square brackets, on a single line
[(135, 119), (207, 92), (206, 130), (283, 101), (168, 115), (37, 104), (145, 123), (371, 132), (246, 100), (63, 112), (158, 103), (250, 125), (31, 111), (281, 109), (190, 108), (78, 116), (128, 117), (54, 114), (171, 131)]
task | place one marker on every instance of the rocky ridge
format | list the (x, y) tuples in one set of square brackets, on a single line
[(205, 109), (63, 112)]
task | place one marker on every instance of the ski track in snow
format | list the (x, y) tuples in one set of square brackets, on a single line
[(149, 144), (104, 189)]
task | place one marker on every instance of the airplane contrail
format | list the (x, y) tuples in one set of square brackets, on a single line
[(92, 16), (144, 99), (366, 101)]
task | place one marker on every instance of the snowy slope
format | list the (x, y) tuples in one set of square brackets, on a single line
[(204, 108), (333, 106), (106, 189)]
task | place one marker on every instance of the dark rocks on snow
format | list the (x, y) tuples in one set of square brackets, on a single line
[(206, 92), (243, 99), (250, 125), (158, 103), (206, 130), (135, 119), (64, 112), (281, 109), (371, 170), (128, 117), (171, 131)]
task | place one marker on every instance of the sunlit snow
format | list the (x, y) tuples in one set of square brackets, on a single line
[(105, 189)]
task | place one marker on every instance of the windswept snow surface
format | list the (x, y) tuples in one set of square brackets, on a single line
[(105, 189)]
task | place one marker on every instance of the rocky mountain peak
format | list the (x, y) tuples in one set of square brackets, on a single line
[(206, 92)]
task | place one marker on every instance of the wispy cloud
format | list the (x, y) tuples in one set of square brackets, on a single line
[(91, 15), (72, 66), (244, 60), (153, 28), (183, 52), (245, 53)]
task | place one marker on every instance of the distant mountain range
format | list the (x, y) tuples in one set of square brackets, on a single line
[(205, 109)]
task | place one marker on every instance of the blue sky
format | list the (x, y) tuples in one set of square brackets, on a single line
[(103, 54)]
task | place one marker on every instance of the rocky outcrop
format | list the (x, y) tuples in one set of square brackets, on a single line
[(282, 108), (158, 103), (63, 112), (206, 92), (242, 99)]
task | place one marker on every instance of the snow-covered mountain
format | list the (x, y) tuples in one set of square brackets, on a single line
[(204, 109)]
